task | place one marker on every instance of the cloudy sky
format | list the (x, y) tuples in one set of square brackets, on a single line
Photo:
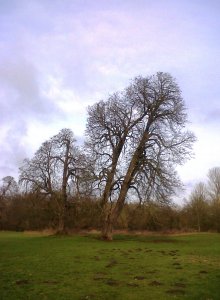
[(57, 57)]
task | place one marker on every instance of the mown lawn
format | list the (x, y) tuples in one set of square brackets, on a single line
[(131, 267)]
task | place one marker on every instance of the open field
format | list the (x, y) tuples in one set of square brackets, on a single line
[(33, 266)]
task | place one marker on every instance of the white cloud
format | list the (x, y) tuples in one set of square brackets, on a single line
[(65, 98), (206, 154)]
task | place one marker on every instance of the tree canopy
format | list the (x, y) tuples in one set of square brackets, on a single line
[(136, 138)]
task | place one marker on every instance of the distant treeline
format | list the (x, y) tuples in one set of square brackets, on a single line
[(35, 212)]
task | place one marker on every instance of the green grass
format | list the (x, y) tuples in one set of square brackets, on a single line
[(131, 267)]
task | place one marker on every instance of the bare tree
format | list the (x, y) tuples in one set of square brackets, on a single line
[(51, 170), (8, 187), (136, 138), (214, 183), (213, 187), (8, 190), (198, 203)]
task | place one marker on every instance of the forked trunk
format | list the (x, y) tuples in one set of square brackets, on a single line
[(107, 224), (111, 216)]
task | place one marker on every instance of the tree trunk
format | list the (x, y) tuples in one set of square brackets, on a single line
[(198, 223), (107, 230), (61, 228), (107, 227), (110, 217)]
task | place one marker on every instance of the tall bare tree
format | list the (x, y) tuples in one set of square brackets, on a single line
[(52, 169), (8, 186), (214, 183), (136, 138), (213, 187), (198, 205)]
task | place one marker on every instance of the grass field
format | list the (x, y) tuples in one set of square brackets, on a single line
[(33, 266)]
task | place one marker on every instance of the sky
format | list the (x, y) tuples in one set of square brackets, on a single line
[(57, 57)]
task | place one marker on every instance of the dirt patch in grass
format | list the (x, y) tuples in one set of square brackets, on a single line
[(139, 277), (101, 273), (172, 254), (112, 263), (203, 272), (179, 285), (100, 276), (132, 284), (97, 258), (112, 282), (148, 250), (50, 282), (22, 281), (162, 252), (155, 283), (175, 292)]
